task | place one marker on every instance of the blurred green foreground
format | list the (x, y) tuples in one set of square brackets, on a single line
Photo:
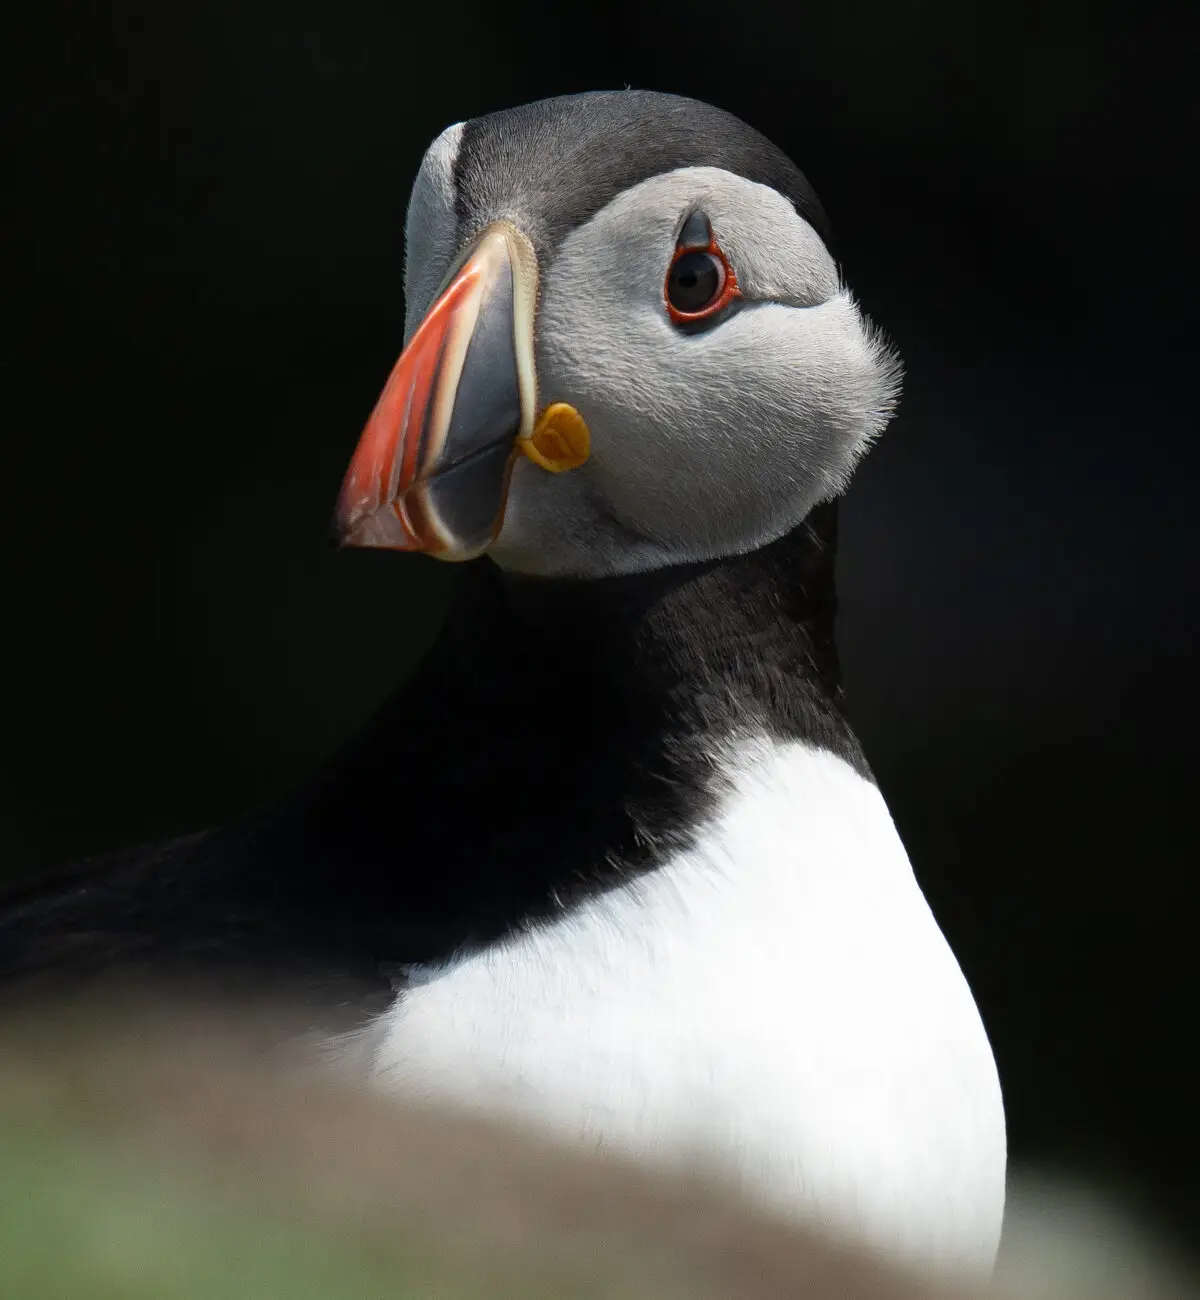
[(164, 1157)]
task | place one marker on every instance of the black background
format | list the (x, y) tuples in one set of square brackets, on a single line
[(204, 229)]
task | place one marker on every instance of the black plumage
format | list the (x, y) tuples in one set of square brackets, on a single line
[(557, 162), (558, 738)]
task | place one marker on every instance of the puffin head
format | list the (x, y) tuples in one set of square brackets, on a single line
[(627, 346)]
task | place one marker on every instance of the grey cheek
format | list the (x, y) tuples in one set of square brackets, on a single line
[(670, 478)]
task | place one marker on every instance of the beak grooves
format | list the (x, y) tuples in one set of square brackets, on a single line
[(431, 468)]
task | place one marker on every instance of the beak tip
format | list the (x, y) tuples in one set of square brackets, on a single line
[(341, 527), (351, 524), (380, 529)]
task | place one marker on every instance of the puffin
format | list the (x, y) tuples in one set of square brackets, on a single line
[(611, 865)]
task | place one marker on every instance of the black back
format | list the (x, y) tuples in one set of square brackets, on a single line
[(557, 740)]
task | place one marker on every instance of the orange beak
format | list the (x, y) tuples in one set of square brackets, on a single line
[(431, 469)]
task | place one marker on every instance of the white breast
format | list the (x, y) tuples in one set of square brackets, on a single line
[(777, 1002)]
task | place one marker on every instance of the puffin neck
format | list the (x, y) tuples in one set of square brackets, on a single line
[(561, 737), (744, 642)]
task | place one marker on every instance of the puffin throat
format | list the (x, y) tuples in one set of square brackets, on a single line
[(721, 646)]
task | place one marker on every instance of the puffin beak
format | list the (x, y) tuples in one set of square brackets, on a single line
[(432, 466)]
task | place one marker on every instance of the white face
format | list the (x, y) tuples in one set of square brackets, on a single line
[(707, 441)]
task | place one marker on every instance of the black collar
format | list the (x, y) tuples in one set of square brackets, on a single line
[(557, 740)]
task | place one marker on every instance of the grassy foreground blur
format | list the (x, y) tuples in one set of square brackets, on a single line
[(163, 1156)]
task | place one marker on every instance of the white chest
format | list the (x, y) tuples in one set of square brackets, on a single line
[(777, 1002)]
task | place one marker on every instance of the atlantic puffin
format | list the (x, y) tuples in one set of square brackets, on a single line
[(612, 863)]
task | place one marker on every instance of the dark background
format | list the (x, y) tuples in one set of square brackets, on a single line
[(204, 249)]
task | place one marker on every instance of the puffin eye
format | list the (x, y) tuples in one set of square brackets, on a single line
[(695, 281), (700, 281)]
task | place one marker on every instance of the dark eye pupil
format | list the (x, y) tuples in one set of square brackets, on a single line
[(696, 279)]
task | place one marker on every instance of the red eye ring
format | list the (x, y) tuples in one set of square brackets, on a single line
[(727, 291)]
